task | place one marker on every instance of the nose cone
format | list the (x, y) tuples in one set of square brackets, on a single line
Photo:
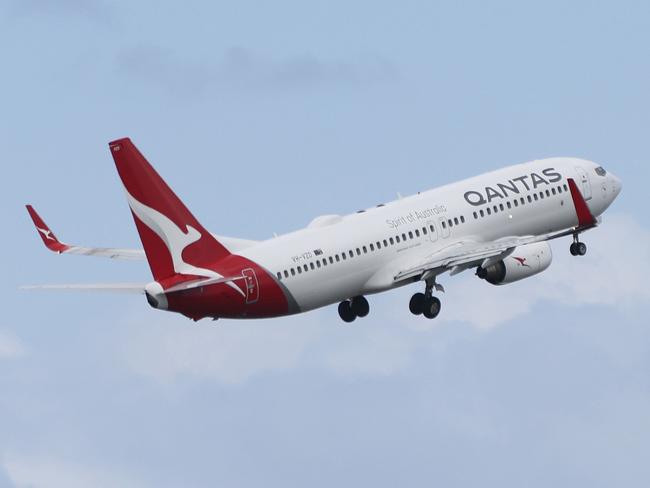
[(616, 185)]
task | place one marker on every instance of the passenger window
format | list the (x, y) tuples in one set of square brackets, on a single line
[(462, 219), (293, 273), (332, 260), (523, 202), (516, 202), (559, 189), (508, 205), (306, 268), (444, 224), (566, 188), (475, 215), (385, 243), (378, 245), (372, 247), (286, 273), (495, 208), (351, 254), (535, 196), (501, 206), (365, 249), (417, 233), (299, 270), (344, 256), (318, 264), (404, 237), (482, 213), (432, 228), (324, 262), (530, 199), (553, 191), (410, 235), (391, 241), (424, 230), (455, 220), (358, 252), (279, 275), (397, 239), (548, 193), (489, 212)]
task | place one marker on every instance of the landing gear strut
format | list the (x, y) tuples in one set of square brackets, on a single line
[(424, 303), (349, 310), (577, 248)]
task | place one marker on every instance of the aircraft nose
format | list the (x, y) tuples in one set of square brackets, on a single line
[(617, 186)]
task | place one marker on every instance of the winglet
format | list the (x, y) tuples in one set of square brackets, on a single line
[(48, 237), (585, 217)]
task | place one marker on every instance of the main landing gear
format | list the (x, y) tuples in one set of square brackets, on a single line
[(424, 303), (349, 310), (577, 248)]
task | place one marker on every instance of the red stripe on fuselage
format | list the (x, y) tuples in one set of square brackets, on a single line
[(585, 217), (223, 301)]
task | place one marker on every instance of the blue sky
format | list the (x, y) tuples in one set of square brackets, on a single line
[(263, 115)]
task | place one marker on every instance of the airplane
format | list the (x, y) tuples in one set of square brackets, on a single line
[(497, 224)]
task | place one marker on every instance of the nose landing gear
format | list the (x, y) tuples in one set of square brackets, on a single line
[(349, 310), (424, 303), (577, 248)]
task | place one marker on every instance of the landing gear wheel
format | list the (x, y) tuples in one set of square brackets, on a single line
[(416, 305), (578, 248), (360, 306), (345, 312), (431, 308)]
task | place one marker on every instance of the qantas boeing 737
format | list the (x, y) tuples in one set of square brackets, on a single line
[(497, 224)]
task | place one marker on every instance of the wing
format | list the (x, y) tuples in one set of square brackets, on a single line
[(53, 244), (464, 254)]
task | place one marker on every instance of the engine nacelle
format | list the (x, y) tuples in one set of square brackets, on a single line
[(525, 261)]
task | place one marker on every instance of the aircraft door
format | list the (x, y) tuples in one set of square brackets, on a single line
[(444, 228), (252, 285), (585, 185), (433, 231)]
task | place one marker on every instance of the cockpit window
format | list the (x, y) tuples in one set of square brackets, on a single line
[(600, 171)]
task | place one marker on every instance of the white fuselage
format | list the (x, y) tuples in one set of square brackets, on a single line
[(336, 258)]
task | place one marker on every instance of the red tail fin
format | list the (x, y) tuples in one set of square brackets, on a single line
[(174, 241)]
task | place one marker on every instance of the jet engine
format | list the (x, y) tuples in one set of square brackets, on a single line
[(525, 261)]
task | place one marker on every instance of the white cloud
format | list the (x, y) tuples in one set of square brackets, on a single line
[(612, 274), (48, 472), (10, 346), (228, 351)]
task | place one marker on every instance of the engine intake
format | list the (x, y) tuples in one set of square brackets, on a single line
[(525, 261)]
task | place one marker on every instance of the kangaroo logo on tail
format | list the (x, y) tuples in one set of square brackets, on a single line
[(175, 239)]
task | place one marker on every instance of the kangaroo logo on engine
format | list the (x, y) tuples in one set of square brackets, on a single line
[(514, 186)]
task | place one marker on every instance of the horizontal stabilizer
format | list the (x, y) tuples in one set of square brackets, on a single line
[(129, 288)]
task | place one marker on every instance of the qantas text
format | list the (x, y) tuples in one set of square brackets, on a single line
[(515, 185)]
